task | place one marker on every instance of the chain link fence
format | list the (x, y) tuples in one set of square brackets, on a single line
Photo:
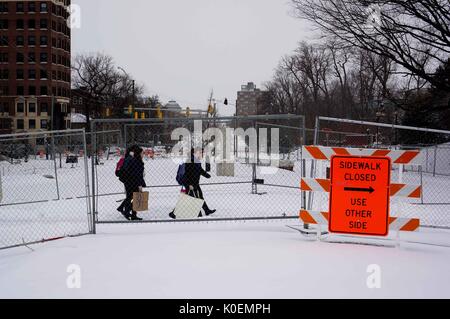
[(432, 171), (246, 185), (44, 187)]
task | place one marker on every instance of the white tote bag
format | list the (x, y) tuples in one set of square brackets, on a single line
[(188, 207)]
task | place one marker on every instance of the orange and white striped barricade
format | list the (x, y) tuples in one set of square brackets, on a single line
[(410, 157), (396, 224), (395, 190)]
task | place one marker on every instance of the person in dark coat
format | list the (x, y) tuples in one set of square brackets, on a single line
[(133, 178), (121, 208), (191, 178)]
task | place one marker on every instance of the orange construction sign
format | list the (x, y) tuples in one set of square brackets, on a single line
[(360, 195)]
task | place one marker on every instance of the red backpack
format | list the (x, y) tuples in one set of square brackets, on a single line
[(119, 166)]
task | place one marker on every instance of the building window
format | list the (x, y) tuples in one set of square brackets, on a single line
[(44, 124), (44, 91), (44, 106), (31, 124), (19, 74), (4, 57), (31, 90), (4, 90), (44, 74), (31, 57), (4, 25), (4, 7), (31, 7), (20, 90), (19, 7), (4, 108), (19, 124), (32, 107), (44, 40), (32, 74), (44, 7), (20, 24), (20, 57), (20, 108), (44, 23), (31, 40), (44, 57), (19, 40), (32, 24), (4, 74), (3, 41)]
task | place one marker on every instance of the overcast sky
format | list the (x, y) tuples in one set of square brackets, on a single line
[(181, 49)]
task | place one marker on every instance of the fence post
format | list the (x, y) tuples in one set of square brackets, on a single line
[(54, 164), (303, 161), (86, 185), (93, 153)]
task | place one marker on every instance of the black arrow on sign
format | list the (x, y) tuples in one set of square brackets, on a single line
[(355, 189)]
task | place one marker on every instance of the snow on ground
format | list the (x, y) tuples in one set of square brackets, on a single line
[(224, 260), (29, 182)]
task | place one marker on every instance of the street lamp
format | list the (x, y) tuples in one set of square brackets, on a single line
[(132, 83)]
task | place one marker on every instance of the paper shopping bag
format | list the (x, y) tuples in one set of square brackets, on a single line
[(188, 207), (140, 201)]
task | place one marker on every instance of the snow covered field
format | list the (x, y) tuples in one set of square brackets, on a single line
[(224, 260)]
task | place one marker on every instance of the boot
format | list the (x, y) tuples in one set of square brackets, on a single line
[(210, 212), (134, 217)]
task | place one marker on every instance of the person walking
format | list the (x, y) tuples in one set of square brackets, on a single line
[(119, 172), (133, 178), (191, 178)]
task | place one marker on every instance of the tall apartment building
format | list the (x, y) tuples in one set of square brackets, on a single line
[(34, 65), (250, 100)]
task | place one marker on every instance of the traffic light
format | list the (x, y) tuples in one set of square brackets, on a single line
[(210, 109), (159, 114), (188, 112)]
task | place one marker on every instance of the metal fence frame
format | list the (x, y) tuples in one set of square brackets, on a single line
[(53, 135), (128, 122)]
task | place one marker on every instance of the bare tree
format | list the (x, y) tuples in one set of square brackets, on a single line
[(413, 34), (98, 76)]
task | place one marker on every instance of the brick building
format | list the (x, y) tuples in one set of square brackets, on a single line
[(34, 65), (251, 101)]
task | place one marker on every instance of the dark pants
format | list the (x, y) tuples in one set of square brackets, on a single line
[(197, 192), (127, 205)]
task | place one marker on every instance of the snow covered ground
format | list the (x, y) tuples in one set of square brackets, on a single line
[(224, 260), (42, 216)]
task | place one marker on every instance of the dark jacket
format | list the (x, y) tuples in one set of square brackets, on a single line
[(192, 174), (133, 173)]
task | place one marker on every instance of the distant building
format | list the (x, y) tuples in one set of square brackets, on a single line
[(172, 109), (250, 100), (34, 65)]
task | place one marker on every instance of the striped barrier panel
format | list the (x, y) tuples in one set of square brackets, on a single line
[(396, 224), (324, 186), (398, 157)]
